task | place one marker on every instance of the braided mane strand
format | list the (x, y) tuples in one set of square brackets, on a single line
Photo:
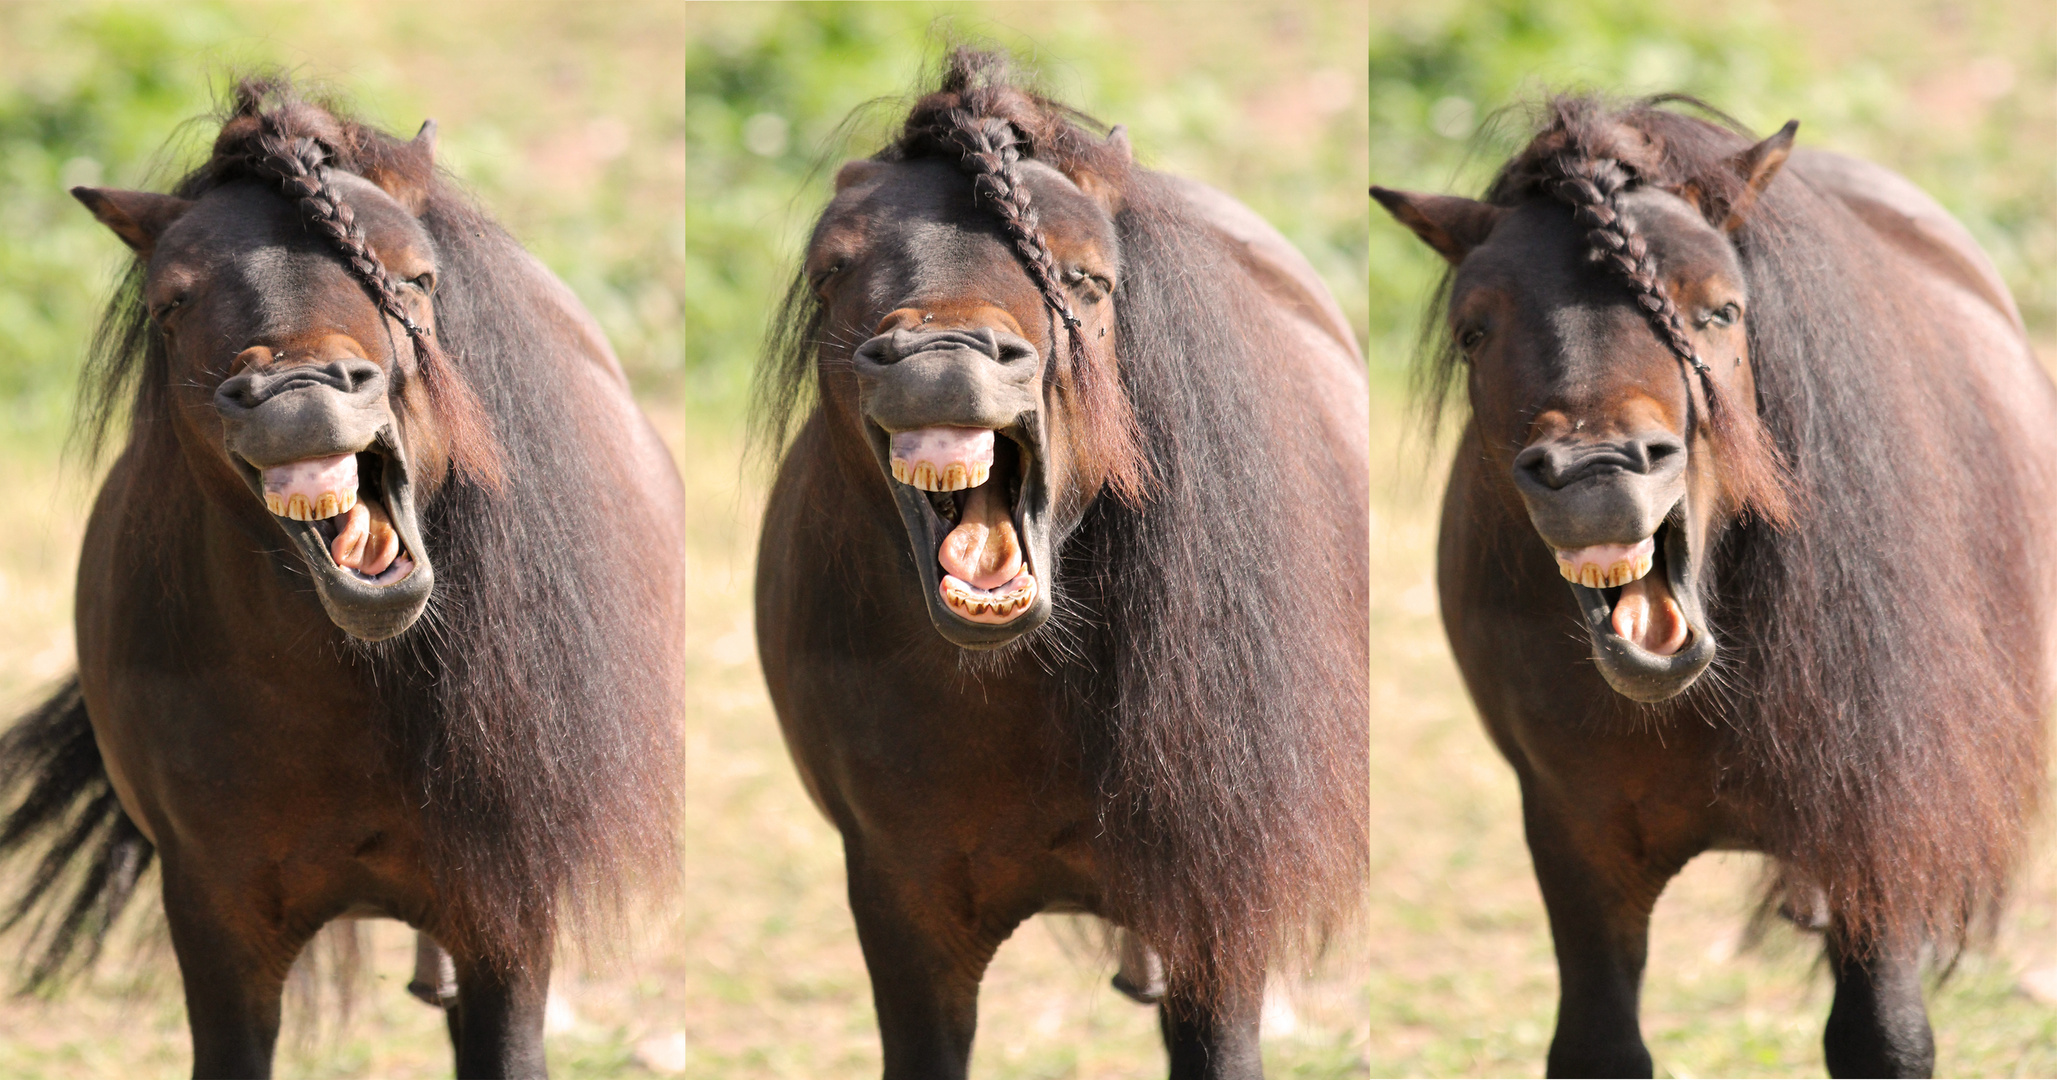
[(986, 125), (1588, 165), (294, 148)]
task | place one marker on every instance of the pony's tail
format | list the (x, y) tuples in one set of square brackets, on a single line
[(58, 806)]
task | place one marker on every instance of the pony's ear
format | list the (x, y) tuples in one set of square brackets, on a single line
[(1756, 166), (857, 172), (1099, 188), (406, 172), (1117, 139), (1451, 224), (138, 217)]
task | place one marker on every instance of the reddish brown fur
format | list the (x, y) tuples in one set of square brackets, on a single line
[(1887, 626), (1181, 747), (501, 768)]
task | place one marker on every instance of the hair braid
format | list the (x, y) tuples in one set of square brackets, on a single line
[(1592, 186), (299, 166), (990, 149)]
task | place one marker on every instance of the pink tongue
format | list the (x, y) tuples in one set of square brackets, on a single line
[(983, 550), (1647, 615), (366, 541)]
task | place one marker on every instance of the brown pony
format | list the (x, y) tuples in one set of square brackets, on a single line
[(1062, 587), (378, 609), (1774, 418)]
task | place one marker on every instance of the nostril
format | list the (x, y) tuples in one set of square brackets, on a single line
[(239, 391), (878, 350), (1013, 350), (353, 376), (1535, 461), (1654, 452)]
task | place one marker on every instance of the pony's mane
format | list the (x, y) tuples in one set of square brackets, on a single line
[(1873, 704), (1228, 733), (531, 719)]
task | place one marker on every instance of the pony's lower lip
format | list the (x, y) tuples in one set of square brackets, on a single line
[(982, 569), (1641, 609), (1649, 641)]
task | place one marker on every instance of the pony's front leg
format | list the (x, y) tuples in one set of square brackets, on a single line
[(233, 980), (498, 1018), (1212, 1041), (1599, 894), (925, 959), (1878, 1025)]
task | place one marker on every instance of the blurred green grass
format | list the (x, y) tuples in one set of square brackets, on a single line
[(666, 158), (1961, 97)]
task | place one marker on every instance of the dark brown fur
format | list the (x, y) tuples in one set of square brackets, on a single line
[(1181, 748), (1879, 575), (505, 766)]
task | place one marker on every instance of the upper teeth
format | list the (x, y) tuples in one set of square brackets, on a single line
[(312, 489), (943, 458), (1607, 566), (954, 476)]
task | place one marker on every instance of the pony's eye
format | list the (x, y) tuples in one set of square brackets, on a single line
[(161, 311), (1469, 338), (1725, 315), (425, 282), (1095, 287)]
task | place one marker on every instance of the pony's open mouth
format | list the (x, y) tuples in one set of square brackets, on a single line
[(342, 498), (1641, 611), (971, 479), (974, 505), (352, 518)]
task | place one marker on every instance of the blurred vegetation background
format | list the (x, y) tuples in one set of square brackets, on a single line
[(1959, 96), (666, 159), (663, 158)]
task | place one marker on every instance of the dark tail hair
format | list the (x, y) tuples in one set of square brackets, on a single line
[(55, 797)]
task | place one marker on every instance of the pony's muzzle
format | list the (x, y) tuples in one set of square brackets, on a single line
[(1585, 493), (971, 378), (274, 413)]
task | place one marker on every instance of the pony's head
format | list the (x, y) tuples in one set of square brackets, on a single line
[(289, 288), (1598, 310), (966, 278)]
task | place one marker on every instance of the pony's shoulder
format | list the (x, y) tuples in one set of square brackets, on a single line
[(1908, 219), (1269, 257)]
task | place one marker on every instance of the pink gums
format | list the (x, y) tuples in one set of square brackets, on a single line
[(1605, 556), (940, 448), (312, 478)]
